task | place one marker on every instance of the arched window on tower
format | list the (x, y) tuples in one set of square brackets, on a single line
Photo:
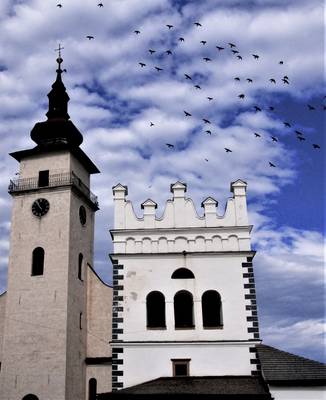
[(182, 273), (80, 266), (92, 389), (155, 307), (212, 309), (183, 310), (38, 261), (30, 397)]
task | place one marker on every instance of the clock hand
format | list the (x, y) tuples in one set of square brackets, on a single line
[(38, 204)]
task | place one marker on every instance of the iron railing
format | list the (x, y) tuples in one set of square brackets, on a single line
[(55, 180)]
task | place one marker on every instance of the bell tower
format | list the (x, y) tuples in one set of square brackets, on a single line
[(51, 244)]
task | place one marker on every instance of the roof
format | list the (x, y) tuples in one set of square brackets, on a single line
[(221, 387), (280, 367)]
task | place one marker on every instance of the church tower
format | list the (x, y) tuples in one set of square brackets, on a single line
[(184, 301), (51, 245)]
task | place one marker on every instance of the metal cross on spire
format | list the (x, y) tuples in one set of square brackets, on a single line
[(59, 59)]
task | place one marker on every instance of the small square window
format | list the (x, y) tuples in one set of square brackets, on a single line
[(180, 367), (43, 178)]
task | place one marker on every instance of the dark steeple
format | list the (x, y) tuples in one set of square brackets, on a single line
[(58, 129)]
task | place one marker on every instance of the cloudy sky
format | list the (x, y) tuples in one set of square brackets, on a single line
[(114, 99)]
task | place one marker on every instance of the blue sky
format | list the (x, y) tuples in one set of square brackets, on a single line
[(113, 101)]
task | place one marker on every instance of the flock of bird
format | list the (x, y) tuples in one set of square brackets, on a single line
[(236, 52)]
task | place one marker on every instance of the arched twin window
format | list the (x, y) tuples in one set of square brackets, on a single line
[(38, 261), (211, 309), (155, 306)]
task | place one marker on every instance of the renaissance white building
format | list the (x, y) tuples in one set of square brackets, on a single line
[(181, 318)]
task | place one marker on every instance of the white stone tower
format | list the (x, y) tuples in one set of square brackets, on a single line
[(51, 244), (184, 296)]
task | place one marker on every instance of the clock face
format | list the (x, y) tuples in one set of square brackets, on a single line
[(40, 207), (82, 215)]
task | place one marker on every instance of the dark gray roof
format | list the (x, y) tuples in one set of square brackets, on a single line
[(280, 366), (221, 387)]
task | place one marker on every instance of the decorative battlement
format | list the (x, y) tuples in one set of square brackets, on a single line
[(180, 211)]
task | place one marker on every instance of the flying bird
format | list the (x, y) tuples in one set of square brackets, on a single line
[(206, 159), (170, 146), (227, 150), (286, 77), (219, 48), (187, 114), (257, 108), (255, 56), (100, 5), (181, 39), (207, 121), (90, 37), (299, 133), (203, 42), (208, 132), (210, 98), (59, 5), (151, 124), (197, 87), (272, 80), (232, 45), (235, 51), (188, 76), (285, 81), (158, 69), (257, 134), (237, 78), (301, 138), (281, 62), (142, 64), (207, 59), (249, 80), (137, 32), (168, 52), (239, 57), (197, 24), (274, 139), (169, 26), (151, 51), (241, 96), (271, 108), (311, 108), (272, 165), (287, 124), (316, 146)]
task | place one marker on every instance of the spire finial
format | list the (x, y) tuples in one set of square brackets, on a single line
[(59, 59)]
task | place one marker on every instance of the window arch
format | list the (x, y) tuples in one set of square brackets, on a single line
[(183, 310), (182, 273), (212, 309), (92, 389), (30, 397), (38, 261), (155, 307), (80, 266)]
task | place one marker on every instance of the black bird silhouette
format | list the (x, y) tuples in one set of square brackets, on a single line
[(301, 138), (208, 132), (219, 48), (100, 5), (227, 150), (257, 134), (257, 108), (249, 80), (59, 5), (90, 37), (151, 51), (158, 69), (239, 57), (311, 108), (271, 108), (137, 32), (287, 124), (232, 45), (187, 114), (188, 76), (272, 80), (299, 133), (206, 159), (235, 51), (169, 26), (181, 39), (281, 62), (203, 42), (241, 96), (207, 121), (286, 77), (274, 139), (142, 64), (151, 124), (271, 164), (197, 87), (255, 56), (285, 81), (170, 146), (207, 59), (324, 107), (197, 24), (237, 78), (210, 98), (316, 146), (168, 52)]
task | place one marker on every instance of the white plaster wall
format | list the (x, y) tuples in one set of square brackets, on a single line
[(222, 273), (298, 393), (2, 319), (146, 362)]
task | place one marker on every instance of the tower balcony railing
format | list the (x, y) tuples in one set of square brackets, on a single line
[(55, 180)]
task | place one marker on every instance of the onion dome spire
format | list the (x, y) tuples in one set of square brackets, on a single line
[(58, 129)]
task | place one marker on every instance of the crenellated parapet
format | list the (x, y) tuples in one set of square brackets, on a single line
[(180, 228)]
